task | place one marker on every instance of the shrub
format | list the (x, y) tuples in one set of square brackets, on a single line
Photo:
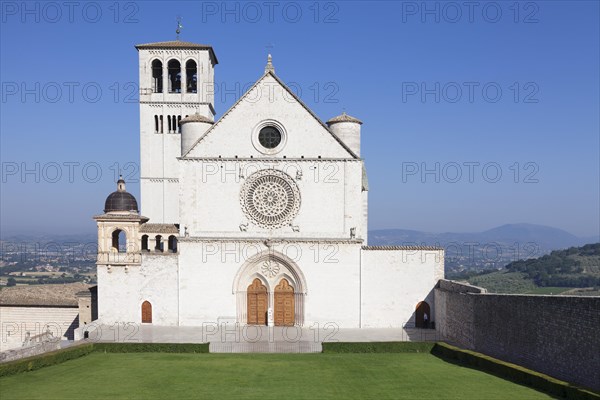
[(512, 372), (44, 360), (377, 347), (70, 353), (151, 347)]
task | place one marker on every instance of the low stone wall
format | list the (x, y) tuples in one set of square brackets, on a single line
[(555, 335), (23, 352)]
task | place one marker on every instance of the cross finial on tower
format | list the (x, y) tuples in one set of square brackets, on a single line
[(269, 67), (179, 26)]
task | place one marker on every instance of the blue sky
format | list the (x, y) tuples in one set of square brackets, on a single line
[(504, 87)]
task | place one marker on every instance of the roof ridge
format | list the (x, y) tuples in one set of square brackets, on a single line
[(271, 73)]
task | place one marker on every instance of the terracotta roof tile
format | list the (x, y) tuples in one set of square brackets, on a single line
[(159, 228), (59, 295), (343, 118), (196, 118)]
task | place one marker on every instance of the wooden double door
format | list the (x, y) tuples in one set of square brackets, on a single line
[(284, 305)]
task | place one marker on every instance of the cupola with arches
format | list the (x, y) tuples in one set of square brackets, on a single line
[(118, 228)]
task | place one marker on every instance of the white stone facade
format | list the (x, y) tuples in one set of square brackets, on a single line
[(261, 216)]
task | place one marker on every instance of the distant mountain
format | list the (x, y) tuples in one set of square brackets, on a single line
[(44, 238), (547, 238)]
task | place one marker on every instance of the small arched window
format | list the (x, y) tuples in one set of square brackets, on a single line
[(145, 243), (169, 123), (157, 76), (172, 244), (158, 243), (156, 129), (119, 241), (161, 124), (179, 123), (191, 74), (174, 76)]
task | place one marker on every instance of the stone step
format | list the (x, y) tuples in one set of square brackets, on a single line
[(265, 347)]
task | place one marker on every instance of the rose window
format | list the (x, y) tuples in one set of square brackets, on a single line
[(270, 199), (270, 268)]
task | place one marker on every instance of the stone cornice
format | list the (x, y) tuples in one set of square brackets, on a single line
[(268, 159), (383, 248), (268, 242)]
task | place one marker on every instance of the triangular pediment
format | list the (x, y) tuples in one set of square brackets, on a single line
[(269, 100)]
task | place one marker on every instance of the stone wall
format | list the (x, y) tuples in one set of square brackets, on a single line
[(555, 335), (393, 281), (30, 351), (19, 322)]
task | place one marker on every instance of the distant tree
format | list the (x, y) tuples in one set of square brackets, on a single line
[(11, 282)]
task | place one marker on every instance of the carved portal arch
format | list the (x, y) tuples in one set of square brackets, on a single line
[(284, 282)]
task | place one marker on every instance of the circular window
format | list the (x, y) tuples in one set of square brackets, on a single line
[(270, 199), (269, 137)]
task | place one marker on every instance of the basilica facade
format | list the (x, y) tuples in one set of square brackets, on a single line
[(259, 217)]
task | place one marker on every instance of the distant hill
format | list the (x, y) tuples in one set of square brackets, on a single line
[(548, 238), (575, 267), (487, 250)]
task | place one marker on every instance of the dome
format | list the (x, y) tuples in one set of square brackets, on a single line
[(344, 118), (120, 200)]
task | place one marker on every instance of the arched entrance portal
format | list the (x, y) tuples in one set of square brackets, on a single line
[(280, 283), (257, 303), (420, 312), (284, 304), (146, 312)]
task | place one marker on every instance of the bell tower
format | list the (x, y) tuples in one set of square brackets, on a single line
[(176, 80)]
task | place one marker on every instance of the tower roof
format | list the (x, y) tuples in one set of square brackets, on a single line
[(196, 118), (177, 44), (120, 200), (343, 118)]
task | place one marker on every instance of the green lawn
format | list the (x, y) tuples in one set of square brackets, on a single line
[(264, 376)]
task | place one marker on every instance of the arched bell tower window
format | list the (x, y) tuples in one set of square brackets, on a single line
[(172, 244), (157, 76), (119, 241), (158, 246), (145, 243), (191, 73), (174, 76)]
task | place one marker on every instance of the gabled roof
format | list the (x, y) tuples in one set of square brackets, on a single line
[(178, 44), (272, 74)]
